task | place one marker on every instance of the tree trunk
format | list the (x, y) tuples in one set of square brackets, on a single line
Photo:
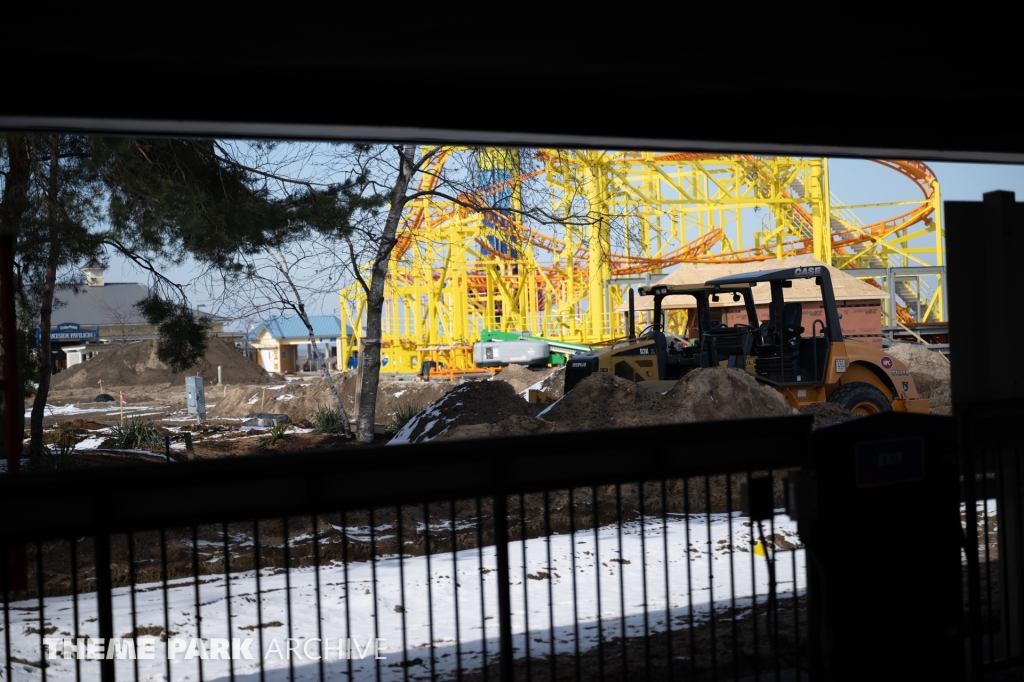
[(35, 447), (13, 204), (370, 359)]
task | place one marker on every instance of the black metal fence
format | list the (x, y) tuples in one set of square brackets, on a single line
[(604, 555), (993, 483)]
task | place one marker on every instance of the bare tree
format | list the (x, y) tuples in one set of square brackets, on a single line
[(407, 173), (287, 279)]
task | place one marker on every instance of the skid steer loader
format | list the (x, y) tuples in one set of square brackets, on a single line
[(805, 365)]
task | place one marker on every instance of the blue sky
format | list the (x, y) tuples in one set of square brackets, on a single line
[(854, 181)]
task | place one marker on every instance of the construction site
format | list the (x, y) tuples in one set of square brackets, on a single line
[(458, 276), (460, 279)]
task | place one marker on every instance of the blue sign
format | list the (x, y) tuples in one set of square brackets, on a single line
[(70, 331), (882, 462)]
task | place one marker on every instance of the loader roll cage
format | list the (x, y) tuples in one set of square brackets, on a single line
[(783, 356)]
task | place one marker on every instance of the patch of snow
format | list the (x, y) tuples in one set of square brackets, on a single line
[(535, 387), (353, 596), (286, 396), (255, 399), (274, 388), (400, 393)]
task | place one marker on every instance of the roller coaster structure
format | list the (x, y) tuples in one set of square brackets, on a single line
[(616, 218)]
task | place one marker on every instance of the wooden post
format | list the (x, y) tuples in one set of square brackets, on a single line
[(188, 446)]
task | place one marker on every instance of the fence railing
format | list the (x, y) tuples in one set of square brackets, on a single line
[(993, 485), (614, 555)]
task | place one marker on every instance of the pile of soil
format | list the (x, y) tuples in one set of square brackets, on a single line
[(475, 402), (718, 393), (521, 377), (301, 399), (605, 401), (137, 364), (516, 425), (931, 373), (826, 414)]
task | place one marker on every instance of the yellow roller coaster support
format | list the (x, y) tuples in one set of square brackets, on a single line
[(624, 216)]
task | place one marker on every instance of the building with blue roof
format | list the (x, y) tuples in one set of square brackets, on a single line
[(276, 341)]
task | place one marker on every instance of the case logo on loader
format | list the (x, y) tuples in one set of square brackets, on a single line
[(886, 362), (807, 272)]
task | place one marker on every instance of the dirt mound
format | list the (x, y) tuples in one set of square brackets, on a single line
[(516, 425), (136, 364), (605, 401), (826, 414), (475, 402), (521, 377), (554, 383), (931, 373), (718, 393), (301, 399)]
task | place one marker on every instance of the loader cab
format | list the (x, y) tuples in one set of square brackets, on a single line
[(715, 344), (784, 349)]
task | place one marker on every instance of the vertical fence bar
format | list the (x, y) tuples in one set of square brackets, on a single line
[(622, 581), (286, 537), (5, 577), (732, 576), (167, 617), (480, 565), (689, 580), (259, 595), (455, 589), (575, 599), (668, 592), (551, 582), (595, 507), (348, 600), (195, 584), (316, 582), (711, 578), (401, 590), (131, 592), (104, 599), (643, 575), (227, 596), (74, 604), (988, 558), (526, 585), (40, 589), (504, 586), (430, 592), (373, 576)]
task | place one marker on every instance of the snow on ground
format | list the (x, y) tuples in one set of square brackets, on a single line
[(393, 600), (3, 465), (91, 442), (98, 408)]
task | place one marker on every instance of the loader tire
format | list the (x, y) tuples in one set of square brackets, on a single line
[(860, 398)]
